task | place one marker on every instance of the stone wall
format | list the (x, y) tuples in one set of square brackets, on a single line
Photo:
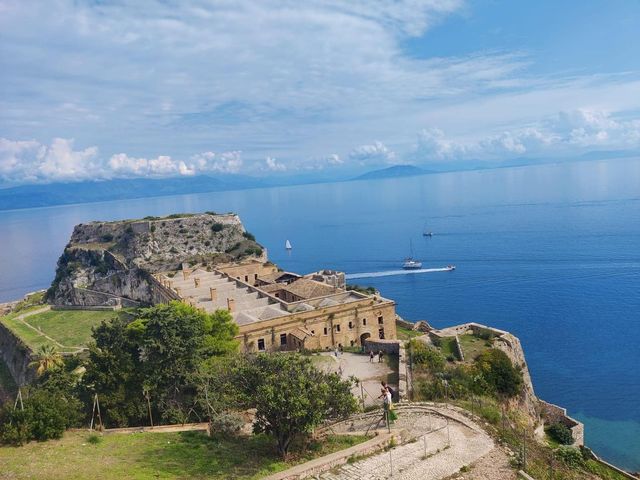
[(386, 346), (16, 355), (555, 414)]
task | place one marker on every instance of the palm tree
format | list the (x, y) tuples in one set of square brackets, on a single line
[(48, 358)]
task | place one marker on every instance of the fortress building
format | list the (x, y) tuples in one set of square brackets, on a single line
[(278, 311)]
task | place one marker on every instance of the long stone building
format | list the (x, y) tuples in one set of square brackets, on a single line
[(285, 311)]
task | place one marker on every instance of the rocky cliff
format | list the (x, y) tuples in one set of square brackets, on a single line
[(112, 262)]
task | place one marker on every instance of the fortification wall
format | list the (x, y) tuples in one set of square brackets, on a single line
[(555, 414), (16, 355)]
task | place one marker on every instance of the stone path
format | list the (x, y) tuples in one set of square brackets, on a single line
[(370, 374), (438, 448)]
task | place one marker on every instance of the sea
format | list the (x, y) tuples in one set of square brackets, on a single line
[(550, 253)]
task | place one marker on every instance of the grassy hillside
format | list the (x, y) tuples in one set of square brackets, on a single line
[(144, 456), (67, 330)]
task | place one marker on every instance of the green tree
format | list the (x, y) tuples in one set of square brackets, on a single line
[(291, 396), (499, 373), (47, 358), (157, 356)]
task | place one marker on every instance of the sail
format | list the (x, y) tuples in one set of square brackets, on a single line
[(287, 245)]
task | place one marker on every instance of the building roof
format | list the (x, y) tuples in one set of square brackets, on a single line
[(305, 288)]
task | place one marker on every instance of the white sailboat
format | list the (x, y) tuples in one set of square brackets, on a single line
[(411, 263), (287, 245)]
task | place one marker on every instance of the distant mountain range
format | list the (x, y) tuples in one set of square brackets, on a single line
[(30, 196), (44, 195), (394, 172)]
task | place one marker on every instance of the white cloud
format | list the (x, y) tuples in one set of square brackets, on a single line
[(226, 162), (576, 131), (376, 153), (273, 165), (295, 80), (32, 162)]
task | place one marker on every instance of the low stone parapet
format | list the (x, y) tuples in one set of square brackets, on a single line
[(319, 465), (555, 414)]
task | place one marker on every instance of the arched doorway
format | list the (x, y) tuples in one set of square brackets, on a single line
[(363, 337)]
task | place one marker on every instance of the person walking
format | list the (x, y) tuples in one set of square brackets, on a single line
[(391, 391), (380, 356), (370, 356)]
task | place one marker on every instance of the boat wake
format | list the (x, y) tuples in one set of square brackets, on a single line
[(388, 273)]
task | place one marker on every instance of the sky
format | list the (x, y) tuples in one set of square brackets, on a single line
[(117, 89)]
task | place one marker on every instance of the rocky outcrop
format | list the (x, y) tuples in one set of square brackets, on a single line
[(108, 263)]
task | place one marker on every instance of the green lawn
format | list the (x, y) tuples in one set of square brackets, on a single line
[(141, 456), (71, 328), (472, 346)]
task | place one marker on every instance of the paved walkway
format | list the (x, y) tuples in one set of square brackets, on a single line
[(370, 374), (438, 447)]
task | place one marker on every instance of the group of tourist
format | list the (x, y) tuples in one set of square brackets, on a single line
[(372, 355)]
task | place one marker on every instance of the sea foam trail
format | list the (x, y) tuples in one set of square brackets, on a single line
[(350, 276)]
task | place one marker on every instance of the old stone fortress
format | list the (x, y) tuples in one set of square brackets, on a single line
[(212, 263)]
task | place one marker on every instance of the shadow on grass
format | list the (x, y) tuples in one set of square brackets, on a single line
[(195, 455)]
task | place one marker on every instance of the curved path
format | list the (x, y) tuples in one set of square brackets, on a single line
[(439, 442)]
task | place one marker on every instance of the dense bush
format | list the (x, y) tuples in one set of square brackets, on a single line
[(570, 456), (217, 227), (46, 415), (560, 433), (226, 423), (496, 368), (422, 354), (249, 236)]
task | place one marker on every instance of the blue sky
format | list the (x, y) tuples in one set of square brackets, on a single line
[(115, 89)]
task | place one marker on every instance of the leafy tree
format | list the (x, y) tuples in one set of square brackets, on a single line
[(48, 358), (155, 356), (499, 373), (290, 395)]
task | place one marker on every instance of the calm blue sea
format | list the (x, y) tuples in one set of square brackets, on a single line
[(550, 253)]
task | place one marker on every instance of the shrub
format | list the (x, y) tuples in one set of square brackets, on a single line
[(217, 227), (94, 439), (153, 228), (422, 354), (46, 415), (560, 433), (570, 456), (15, 426), (226, 423), (249, 236), (499, 373), (107, 237)]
